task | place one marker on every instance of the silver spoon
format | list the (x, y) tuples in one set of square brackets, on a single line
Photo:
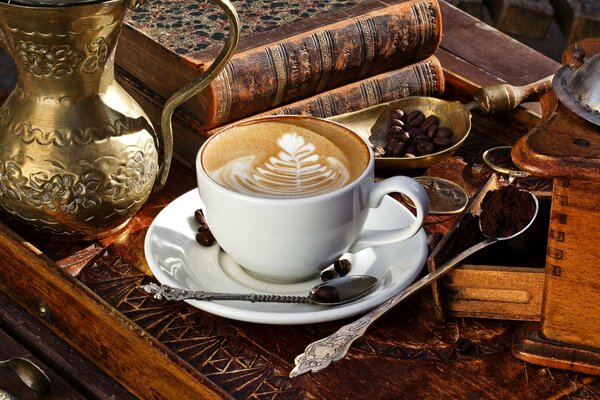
[(318, 355), (29, 373), (329, 293)]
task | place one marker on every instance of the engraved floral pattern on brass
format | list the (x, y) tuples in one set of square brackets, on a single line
[(78, 156), (47, 60)]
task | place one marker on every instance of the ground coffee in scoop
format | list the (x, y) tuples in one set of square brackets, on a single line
[(506, 211)]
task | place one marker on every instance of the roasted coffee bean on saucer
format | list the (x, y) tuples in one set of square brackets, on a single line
[(204, 235), (199, 217), (342, 266), (205, 238), (415, 134), (329, 274)]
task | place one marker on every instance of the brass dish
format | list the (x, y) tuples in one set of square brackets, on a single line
[(373, 123)]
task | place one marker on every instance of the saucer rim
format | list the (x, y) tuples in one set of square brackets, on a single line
[(228, 309)]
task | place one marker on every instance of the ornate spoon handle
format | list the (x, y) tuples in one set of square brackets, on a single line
[(176, 294), (318, 355)]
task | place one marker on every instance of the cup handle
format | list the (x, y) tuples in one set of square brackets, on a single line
[(195, 87), (410, 188)]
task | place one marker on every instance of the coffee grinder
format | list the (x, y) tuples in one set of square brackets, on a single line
[(565, 146)]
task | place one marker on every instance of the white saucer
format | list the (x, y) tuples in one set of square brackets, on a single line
[(176, 259)]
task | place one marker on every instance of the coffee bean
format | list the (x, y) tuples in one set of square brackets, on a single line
[(205, 238), (429, 121), (327, 294), (397, 122), (404, 137), (442, 142), (431, 131), (329, 274), (396, 130), (398, 114), (444, 133), (203, 226), (424, 148), (415, 118), (412, 134), (415, 131), (421, 138), (342, 266), (391, 143), (398, 149), (199, 217)]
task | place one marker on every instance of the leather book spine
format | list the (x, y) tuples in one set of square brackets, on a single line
[(304, 65), (425, 78)]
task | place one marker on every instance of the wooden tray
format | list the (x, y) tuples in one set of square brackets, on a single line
[(87, 293)]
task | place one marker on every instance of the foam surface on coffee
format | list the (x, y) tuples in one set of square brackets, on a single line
[(281, 160)]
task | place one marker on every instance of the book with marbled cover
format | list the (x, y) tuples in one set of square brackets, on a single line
[(267, 71)]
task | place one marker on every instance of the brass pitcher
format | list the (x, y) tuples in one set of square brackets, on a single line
[(78, 156)]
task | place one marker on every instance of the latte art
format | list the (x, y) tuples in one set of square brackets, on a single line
[(284, 157), (297, 170)]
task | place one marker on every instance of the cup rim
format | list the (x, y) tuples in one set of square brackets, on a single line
[(281, 200)]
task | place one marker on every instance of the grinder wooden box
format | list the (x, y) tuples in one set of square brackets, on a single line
[(502, 281)]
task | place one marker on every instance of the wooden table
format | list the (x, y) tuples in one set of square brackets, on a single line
[(174, 351)]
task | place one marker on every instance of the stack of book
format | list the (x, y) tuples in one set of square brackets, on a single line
[(321, 58)]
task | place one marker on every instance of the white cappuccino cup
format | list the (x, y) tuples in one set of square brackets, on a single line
[(286, 196)]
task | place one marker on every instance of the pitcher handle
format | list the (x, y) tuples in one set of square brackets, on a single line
[(195, 87)]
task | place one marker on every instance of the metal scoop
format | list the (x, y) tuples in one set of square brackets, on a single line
[(29, 373), (329, 293), (372, 123), (318, 355)]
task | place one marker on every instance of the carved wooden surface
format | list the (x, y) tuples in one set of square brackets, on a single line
[(405, 355)]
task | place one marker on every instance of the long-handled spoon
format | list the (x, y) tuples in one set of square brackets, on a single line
[(329, 293), (29, 373), (318, 355)]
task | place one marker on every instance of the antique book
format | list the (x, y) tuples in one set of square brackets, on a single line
[(422, 78), (425, 78), (276, 72)]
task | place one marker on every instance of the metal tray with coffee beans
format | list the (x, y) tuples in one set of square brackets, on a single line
[(410, 133)]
